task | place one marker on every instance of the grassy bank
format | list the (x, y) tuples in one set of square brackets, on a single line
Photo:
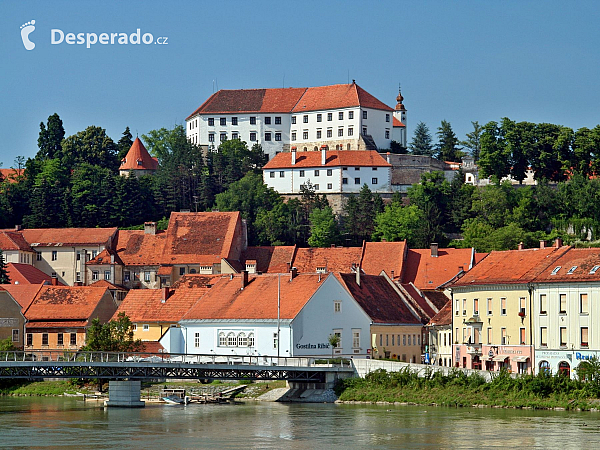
[(542, 391), (42, 388)]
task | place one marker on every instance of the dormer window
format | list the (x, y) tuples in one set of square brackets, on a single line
[(594, 270), (321, 269), (555, 271), (571, 270), (139, 162)]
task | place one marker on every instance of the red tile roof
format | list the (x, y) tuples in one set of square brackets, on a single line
[(250, 100), (384, 256), (425, 309), (576, 264), (273, 259), (436, 298), (397, 123), (258, 300), (104, 258), (378, 299), (338, 96), (26, 274), (444, 317), (10, 175), (138, 158), (427, 272), (109, 285), (135, 247), (23, 293), (334, 158), (58, 324), (153, 347), (511, 266), (334, 259), (145, 305), (46, 237), (13, 240), (200, 238), (64, 303), (196, 281)]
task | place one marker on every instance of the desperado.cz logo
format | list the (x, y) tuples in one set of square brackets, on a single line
[(58, 36)]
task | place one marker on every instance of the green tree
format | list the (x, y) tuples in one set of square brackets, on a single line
[(323, 228), (6, 345), (114, 336), (421, 143), (50, 138), (4, 279), (494, 157), (358, 215), (431, 196), (447, 147), (92, 146), (473, 141), (398, 222), (124, 144)]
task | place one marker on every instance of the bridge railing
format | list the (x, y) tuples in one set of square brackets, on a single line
[(172, 358)]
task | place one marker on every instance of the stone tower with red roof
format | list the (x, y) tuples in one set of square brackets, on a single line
[(138, 161)]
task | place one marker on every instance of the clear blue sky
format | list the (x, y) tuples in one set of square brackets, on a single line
[(456, 60)]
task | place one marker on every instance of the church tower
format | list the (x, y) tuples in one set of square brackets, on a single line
[(400, 121)]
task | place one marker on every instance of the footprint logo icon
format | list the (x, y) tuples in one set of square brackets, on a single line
[(26, 30)]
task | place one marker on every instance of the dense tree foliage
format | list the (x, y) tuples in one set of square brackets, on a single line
[(421, 143), (4, 279), (113, 336), (447, 148)]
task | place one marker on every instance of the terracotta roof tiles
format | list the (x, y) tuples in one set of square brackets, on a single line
[(46, 237), (337, 96), (397, 123), (334, 158), (138, 158), (428, 272), (22, 293), (576, 264), (384, 256), (196, 281), (269, 259), (13, 240), (332, 259), (26, 274), (64, 303), (10, 175), (135, 247), (444, 317)]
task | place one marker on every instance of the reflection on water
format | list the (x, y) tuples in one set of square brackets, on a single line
[(71, 423)]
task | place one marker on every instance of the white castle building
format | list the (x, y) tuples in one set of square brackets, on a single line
[(340, 117)]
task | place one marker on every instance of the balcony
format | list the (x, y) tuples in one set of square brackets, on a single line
[(474, 349)]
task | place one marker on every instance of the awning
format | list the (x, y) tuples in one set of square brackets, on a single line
[(500, 358), (520, 358)]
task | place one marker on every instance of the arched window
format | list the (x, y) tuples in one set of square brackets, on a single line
[(231, 340), (564, 368), (316, 148), (222, 340), (242, 340), (348, 147), (544, 367), (251, 340)]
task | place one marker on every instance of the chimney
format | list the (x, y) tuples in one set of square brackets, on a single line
[(244, 279), (165, 295), (392, 274), (558, 242), (54, 280), (150, 228), (18, 227), (434, 250), (293, 273), (461, 269), (289, 266), (520, 247), (358, 276), (78, 283), (112, 258), (388, 158), (542, 243), (323, 155), (293, 156)]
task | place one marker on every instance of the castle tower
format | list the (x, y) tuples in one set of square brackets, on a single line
[(138, 161), (399, 133)]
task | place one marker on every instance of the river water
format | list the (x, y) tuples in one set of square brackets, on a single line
[(71, 423)]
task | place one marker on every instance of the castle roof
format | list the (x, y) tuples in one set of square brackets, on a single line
[(138, 158)]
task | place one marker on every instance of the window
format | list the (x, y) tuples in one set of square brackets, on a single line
[(293, 135), (489, 306), (242, 340), (267, 121), (318, 134), (38, 256), (594, 270), (107, 275), (387, 134), (251, 340), (44, 338), (95, 275), (457, 307), (146, 327), (364, 114), (316, 173), (15, 335), (338, 333), (197, 340), (54, 255), (503, 306), (489, 336), (387, 340), (222, 340), (329, 172), (350, 114), (319, 117), (381, 340), (563, 303), (522, 305), (73, 339), (329, 117), (147, 276), (281, 174), (231, 340), (305, 135), (504, 339), (29, 339), (78, 255), (223, 137), (329, 133), (543, 304), (563, 336), (182, 271), (344, 180), (464, 305), (234, 121), (341, 116), (583, 303), (134, 326), (393, 336), (278, 120), (357, 181), (572, 270), (223, 121), (373, 180), (211, 137), (340, 132), (253, 136), (329, 186), (252, 120), (234, 135), (522, 337), (293, 119), (555, 271), (305, 119), (211, 122), (59, 339), (350, 132), (302, 173), (267, 136), (275, 341), (278, 136), (387, 117), (475, 306), (337, 306), (316, 186), (584, 337)]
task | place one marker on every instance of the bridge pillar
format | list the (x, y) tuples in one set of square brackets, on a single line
[(125, 394)]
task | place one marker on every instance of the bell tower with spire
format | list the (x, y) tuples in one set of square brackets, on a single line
[(400, 120)]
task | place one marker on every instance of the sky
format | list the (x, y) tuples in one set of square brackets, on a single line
[(460, 61)]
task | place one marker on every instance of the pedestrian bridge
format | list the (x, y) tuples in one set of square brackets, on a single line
[(36, 365)]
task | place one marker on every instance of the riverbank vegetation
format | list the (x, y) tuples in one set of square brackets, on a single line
[(541, 391)]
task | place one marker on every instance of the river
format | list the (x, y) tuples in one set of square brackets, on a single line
[(70, 423)]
